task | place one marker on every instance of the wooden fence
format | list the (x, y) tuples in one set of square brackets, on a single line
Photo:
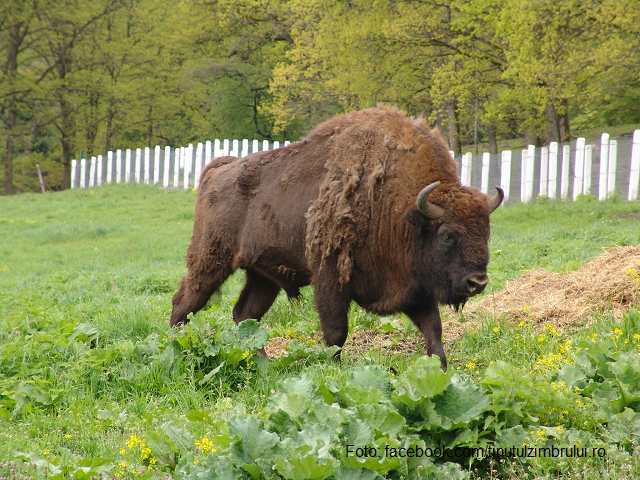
[(600, 167), (168, 167)]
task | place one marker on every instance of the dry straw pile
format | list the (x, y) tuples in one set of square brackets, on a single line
[(609, 282)]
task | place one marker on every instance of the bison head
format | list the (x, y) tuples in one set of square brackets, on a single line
[(452, 229)]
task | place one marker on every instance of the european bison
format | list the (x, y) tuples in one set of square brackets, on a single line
[(368, 207)]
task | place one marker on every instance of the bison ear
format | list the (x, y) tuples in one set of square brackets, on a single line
[(416, 218)]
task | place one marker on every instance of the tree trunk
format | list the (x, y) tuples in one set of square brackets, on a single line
[(91, 131), (452, 128), (493, 142), (150, 130), (67, 129), (109, 129), (16, 38), (8, 159), (566, 137), (554, 129)]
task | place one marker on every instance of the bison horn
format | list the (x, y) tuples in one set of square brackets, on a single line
[(428, 209), (496, 200)]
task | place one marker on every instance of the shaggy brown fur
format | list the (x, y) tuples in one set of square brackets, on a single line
[(337, 210)]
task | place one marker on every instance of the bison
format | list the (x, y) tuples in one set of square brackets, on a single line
[(368, 207)]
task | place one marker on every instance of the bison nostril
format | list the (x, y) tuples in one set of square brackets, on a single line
[(476, 283)]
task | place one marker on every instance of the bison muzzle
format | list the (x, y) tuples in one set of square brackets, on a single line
[(367, 208)]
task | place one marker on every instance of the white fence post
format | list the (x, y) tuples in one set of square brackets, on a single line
[(92, 172), (127, 170), (255, 146), (634, 176), (287, 142), (156, 165), (109, 166), (505, 174), (523, 173), (83, 171), (484, 183), (118, 166), (147, 165), (588, 159), (578, 168), (198, 169), (176, 168), (99, 167), (207, 152), (188, 165), (276, 144), (217, 150), (167, 165), (245, 148), (544, 171), (613, 159), (138, 164), (225, 147), (564, 181), (465, 170), (604, 166), (529, 173), (553, 169), (73, 173), (235, 151), (265, 145)]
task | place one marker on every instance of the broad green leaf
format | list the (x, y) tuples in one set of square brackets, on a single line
[(627, 373), (358, 395), (383, 418), (211, 374), (358, 433), (422, 380), (571, 374), (294, 404), (346, 473), (370, 376), (330, 416), (306, 467), (254, 442), (462, 402), (608, 397), (182, 439)]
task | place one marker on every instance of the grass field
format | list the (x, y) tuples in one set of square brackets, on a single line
[(93, 383)]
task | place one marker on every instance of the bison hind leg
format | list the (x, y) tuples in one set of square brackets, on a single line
[(256, 298)]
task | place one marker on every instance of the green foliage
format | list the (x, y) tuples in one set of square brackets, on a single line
[(92, 380), (91, 76)]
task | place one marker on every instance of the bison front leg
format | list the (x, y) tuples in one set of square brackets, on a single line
[(333, 303), (427, 318)]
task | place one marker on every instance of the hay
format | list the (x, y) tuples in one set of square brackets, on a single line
[(604, 284)]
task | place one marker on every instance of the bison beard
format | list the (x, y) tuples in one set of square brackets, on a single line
[(367, 208)]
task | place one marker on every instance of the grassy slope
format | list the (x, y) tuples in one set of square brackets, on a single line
[(111, 257)]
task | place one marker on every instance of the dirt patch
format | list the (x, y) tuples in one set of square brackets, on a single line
[(360, 341), (609, 283)]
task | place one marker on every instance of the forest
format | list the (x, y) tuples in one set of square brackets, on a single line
[(80, 77)]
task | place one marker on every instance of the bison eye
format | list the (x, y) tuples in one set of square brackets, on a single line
[(447, 237)]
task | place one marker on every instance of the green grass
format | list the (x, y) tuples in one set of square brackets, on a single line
[(87, 358)]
